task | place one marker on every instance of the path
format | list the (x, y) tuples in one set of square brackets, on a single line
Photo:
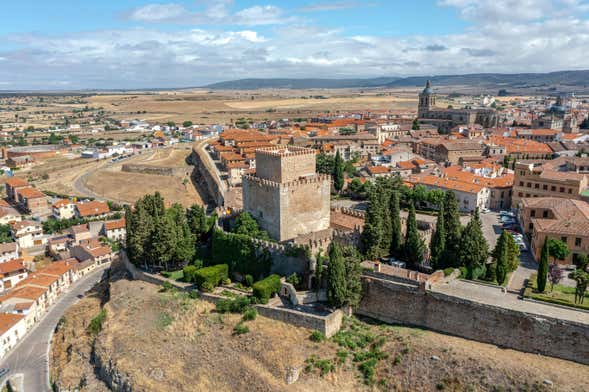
[(495, 297), (30, 358)]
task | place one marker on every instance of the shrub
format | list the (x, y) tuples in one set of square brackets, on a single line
[(294, 279), (264, 289), (206, 286), (95, 325), (210, 277), (236, 305), (250, 314), (463, 272), (317, 336), (226, 282), (367, 370), (448, 271), (189, 273), (249, 280), (167, 286), (240, 329)]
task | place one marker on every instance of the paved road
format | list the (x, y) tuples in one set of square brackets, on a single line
[(30, 357)]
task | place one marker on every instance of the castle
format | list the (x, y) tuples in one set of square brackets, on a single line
[(558, 117), (286, 196), (446, 119)]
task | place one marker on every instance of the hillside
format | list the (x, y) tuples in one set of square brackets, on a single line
[(495, 80), (166, 341)]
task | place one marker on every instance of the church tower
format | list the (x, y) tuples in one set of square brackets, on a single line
[(427, 100)]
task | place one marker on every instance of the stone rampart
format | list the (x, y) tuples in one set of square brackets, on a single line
[(328, 325), (155, 170), (412, 305)]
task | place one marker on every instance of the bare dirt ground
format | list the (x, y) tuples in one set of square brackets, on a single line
[(112, 183), (162, 341)]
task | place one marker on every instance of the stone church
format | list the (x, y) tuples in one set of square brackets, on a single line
[(446, 119)]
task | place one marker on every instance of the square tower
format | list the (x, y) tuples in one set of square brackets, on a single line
[(286, 196)]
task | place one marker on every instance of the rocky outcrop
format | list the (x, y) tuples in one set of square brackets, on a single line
[(108, 373)]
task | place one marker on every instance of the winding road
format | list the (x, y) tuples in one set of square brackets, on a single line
[(28, 362)]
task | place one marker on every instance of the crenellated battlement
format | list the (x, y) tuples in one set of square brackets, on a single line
[(315, 179), (285, 151)]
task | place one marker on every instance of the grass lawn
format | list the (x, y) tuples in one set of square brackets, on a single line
[(174, 275), (562, 295), (494, 281)]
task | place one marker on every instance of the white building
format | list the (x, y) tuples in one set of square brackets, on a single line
[(28, 234), (64, 209), (8, 251), (12, 329)]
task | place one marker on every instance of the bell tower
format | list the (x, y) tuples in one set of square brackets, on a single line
[(427, 100)]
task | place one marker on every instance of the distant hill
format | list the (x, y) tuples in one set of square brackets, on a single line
[(254, 84), (523, 80)]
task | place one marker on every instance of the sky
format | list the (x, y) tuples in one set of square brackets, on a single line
[(126, 44)]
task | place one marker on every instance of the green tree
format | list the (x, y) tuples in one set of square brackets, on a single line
[(453, 231), (558, 249), (197, 221), (336, 277), (371, 237), (245, 224), (184, 249), (396, 246), (163, 242), (582, 279), (473, 250), (187, 124), (543, 267), (338, 172), (415, 125), (502, 264), (324, 164), (414, 247), (513, 253), (438, 241)]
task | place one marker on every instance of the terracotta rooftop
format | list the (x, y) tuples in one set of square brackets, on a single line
[(8, 320), (11, 266), (31, 193), (91, 208), (16, 182), (114, 224)]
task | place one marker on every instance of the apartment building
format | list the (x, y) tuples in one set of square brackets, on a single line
[(558, 218), (566, 177)]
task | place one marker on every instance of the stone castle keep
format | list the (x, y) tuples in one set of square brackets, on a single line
[(286, 196)]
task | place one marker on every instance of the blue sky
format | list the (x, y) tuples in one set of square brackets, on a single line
[(66, 44)]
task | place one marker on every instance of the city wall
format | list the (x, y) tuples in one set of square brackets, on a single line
[(413, 305), (149, 169)]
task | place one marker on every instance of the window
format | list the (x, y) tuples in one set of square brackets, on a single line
[(536, 186), (545, 214), (577, 241), (561, 189), (545, 187), (553, 188), (529, 185), (521, 183), (563, 239), (533, 213), (520, 194), (570, 190)]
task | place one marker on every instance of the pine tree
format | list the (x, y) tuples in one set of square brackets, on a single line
[(543, 267), (414, 247), (336, 277), (163, 242), (438, 242), (396, 230), (473, 250), (338, 172), (453, 230), (387, 222)]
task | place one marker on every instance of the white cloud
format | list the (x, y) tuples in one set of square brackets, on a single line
[(158, 12), (501, 37)]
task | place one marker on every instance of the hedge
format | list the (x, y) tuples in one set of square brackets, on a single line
[(210, 277), (264, 289), (189, 273)]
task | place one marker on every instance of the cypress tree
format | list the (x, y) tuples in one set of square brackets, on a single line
[(336, 277), (438, 242), (163, 242), (414, 246), (338, 172), (396, 230), (502, 264), (387, 221), (543, 267), (473, 249), (453, 230), (371, 238)]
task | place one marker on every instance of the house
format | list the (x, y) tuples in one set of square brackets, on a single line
[(28, 300), (92, 209), (9, 215), (28, 234), (80, 233), (92, 250), (115, 230), (378, 171), (12, 185), (469, 195), (12, 329), (58, 246), (32, 200), (8, 251), (11, 273), (559, 218), (64, 270), (64, 209)]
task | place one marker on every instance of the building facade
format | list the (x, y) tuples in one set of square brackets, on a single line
[(286, 196)]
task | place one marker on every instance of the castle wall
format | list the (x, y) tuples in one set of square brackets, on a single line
[(411, 305), (304, 207), (261, 199), (286, 168)]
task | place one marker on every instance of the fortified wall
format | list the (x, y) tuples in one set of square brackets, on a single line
[(407, 304), (155, 170)]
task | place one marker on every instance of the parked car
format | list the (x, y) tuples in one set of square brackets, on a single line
[(485, 210), (3, 372), (397, 263)]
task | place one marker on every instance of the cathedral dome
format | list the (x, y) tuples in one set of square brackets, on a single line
[(428, 88)]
